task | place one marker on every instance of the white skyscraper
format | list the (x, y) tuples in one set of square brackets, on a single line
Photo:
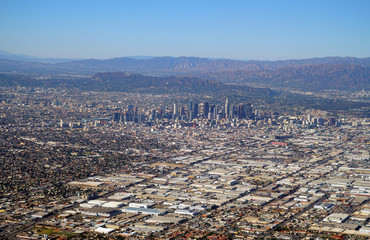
[(227, 108)]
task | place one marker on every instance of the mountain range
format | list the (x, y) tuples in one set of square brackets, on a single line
[(127, 82), (316, 74)]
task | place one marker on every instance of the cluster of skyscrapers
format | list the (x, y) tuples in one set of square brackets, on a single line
[(186, 112)]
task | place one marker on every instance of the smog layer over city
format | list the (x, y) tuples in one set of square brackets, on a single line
[(184, 119)]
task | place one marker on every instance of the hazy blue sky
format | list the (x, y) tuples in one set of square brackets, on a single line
[(258, 29)]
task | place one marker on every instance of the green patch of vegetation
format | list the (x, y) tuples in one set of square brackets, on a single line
[(50, 231), (47, 231)]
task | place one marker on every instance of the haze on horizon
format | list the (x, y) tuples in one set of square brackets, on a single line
[(236, 29)]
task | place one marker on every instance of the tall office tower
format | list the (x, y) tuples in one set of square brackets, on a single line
[(309, 119), (141, 118), (256, 113), (182, 111), (240, 111), (152, 114), (126, 116), (206, 109), (248, 110), (212, 108), (116, 116), (321, 121), (232, 111), (195, 110), (315, 121), (174, 109), (201, 110), (130, 108), (245, 110), (190, 106), (332, 121), (190, 111), (211, 112), (227, 108), (164, 113), (160, 112), (135, 112)]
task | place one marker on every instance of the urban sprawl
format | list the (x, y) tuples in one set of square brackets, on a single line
[(90, 165)]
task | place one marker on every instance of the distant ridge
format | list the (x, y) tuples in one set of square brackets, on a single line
[(119, 81), (316, 77), (25, 58), (126, 82), (11, 80), (316, 74)]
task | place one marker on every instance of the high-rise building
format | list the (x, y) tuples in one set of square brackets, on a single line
[(332, 121), (232, 111), (182, 111), (174, 109), (130, 108), (240, 111), (152, 114), (227, 108), (195, 110), (215, 112), (116, 116), (201, 110), (248, 110), (161, 112), (190, 106), (206, 109), (135, 112), (190, 111), (127, 116), (245, 110)]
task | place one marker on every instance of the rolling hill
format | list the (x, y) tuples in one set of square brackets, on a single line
[(127, 82), (316, 74)]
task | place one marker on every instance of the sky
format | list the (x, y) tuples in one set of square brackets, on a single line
[(235, 29)]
